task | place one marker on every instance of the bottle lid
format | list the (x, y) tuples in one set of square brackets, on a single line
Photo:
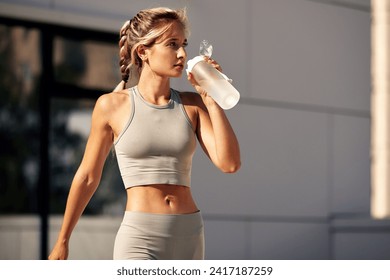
[(191, 63)]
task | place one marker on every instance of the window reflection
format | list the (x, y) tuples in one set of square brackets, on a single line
[(20, 71), (88, 64), (69, 130)]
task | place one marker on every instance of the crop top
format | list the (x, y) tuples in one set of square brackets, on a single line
[(157, 144)]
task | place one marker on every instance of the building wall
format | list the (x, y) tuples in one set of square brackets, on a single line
[(303, 70)]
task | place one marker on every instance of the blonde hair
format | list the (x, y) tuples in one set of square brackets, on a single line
[(144, 29)]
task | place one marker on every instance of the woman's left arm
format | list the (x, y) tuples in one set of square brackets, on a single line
[(215, 132)]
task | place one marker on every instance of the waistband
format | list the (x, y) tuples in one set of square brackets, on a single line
[(176, 224)]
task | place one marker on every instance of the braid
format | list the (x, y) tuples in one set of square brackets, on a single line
[(124, 52)]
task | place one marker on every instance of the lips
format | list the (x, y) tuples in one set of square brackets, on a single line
[(180, 66), (180, 63)]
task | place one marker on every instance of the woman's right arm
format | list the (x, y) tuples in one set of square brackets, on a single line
[(87, 177)]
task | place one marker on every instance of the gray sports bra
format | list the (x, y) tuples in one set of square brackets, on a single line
[(157, 144)]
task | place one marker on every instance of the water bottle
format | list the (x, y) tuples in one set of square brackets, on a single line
[(215, 83)]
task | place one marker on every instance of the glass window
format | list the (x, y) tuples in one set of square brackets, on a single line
[(20, 72), (87, 64), (69, 129)]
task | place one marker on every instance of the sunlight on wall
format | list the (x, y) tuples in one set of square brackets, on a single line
[(380, 169)]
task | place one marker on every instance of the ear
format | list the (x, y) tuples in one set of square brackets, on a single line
[(142, 52)]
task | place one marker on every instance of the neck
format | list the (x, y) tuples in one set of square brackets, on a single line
[(154, 88)]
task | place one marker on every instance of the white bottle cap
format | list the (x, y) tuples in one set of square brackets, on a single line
[(191, 63)]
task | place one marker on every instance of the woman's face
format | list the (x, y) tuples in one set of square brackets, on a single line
[(167, 57)]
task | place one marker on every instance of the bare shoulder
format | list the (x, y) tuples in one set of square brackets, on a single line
[(113, 110), (191, 99), (111, 102)]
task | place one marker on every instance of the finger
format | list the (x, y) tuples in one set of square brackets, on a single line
[(218, 67), (192, 80), (214, 63)]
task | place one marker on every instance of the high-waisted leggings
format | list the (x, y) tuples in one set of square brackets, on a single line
[(146, 236)]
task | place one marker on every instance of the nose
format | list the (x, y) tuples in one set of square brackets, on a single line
[(182, 53)]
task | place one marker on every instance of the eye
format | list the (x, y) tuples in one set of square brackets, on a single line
[(176, 45), (173, 44)]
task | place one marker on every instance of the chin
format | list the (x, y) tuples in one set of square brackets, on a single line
[(177, 75)]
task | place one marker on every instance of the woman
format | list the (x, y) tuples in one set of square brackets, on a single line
[(153, 129)]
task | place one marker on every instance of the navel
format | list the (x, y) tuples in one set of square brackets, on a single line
[(168, 200)]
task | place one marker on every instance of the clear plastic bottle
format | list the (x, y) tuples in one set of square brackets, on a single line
[(215, 83)]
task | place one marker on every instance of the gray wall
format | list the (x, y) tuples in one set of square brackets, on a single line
[(303, 70)]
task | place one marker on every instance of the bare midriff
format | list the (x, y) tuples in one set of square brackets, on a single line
[(161, 199)]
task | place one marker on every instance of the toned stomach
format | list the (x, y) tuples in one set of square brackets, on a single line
[(160, 199)]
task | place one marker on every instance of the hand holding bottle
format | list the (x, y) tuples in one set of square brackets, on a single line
[(214, 82)]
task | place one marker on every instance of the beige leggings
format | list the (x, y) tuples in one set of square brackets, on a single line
[(146, 236)]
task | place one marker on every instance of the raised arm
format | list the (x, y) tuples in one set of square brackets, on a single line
[(87, 177), (214, 131)]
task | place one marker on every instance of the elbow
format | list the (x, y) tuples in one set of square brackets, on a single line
[(88, 179), (231, 168), (92, 182)]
